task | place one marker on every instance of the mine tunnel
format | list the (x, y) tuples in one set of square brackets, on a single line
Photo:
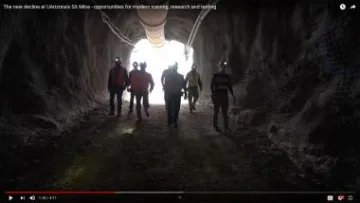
[(294, 68)]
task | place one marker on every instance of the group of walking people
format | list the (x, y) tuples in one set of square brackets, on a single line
[(139, 83)]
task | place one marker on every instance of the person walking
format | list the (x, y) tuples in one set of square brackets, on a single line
[(142, 80), (220, 85), (117, 83), (163, 76), (129, 89), (173, 86), (194, 84)]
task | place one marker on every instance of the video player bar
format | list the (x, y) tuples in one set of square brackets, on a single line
[(184, 196)]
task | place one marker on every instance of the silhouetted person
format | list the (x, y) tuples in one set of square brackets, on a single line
[(174, 84), (140, 84), (220, 85), (132, 94), (117, 83), (194, 84), (163, 75)]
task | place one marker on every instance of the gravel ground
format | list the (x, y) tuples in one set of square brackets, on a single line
[(110, 153)]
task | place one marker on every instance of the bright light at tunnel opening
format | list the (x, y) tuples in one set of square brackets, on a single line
[(159, 59)]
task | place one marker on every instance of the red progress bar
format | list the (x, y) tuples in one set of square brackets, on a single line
[(59, 192)]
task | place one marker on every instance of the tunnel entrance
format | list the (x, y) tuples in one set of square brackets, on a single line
[(158, 59)]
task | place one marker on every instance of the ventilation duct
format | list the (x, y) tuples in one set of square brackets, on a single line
[(153, 21)]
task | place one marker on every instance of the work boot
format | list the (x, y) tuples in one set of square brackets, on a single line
[(119, 114), (227, 130), (111, 114), (147, 113), (216, 128), (130, 112), (175, 125)]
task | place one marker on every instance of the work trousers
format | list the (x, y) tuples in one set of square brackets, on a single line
[(221, 100), (193, 96), (144, 96), (173, 102), (165, 99), (132, 97), (117, 91)]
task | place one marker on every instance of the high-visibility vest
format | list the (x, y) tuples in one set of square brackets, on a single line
[(140, 81), (117, 76), (193, 79)]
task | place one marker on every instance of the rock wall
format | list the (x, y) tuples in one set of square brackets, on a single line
[(296, 73), (52, 68)]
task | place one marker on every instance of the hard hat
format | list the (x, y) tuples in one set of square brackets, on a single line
[(143, 64), (223, 64), (118, 60), (135, 63)]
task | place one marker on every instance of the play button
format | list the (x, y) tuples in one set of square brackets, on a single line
[(10, 198)]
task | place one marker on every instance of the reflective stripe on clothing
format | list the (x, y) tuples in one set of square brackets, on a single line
[(221, 87), (221, 82), (193, 79)]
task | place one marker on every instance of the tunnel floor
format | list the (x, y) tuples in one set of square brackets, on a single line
[(109, 153)]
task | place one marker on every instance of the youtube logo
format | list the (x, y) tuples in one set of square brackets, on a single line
[(341, 197)]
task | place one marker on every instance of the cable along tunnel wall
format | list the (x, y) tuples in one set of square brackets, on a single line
[(153, 21)]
